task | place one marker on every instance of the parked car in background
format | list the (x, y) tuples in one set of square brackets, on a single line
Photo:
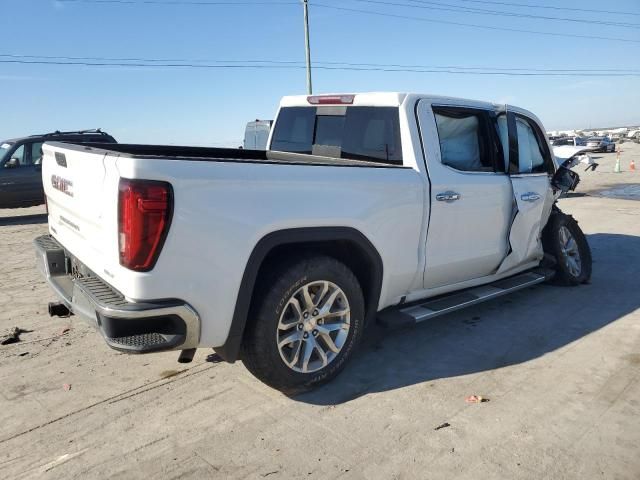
[(365, 206), (601, 144), (256, 135), (571, 141), (561, 141), (20, 165)]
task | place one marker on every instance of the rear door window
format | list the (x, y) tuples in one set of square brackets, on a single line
[(36, 153), (467, 139), (361, 133)]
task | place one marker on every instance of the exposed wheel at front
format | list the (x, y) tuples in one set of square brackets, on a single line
[(570, 252), (305, 323), (565, 241)]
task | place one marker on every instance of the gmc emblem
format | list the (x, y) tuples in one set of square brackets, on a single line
[(62, 184)]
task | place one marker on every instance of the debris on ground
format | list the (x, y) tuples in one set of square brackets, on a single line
[(476, 399), (64, 331), (13, 336), (444, 425), (67, 386)]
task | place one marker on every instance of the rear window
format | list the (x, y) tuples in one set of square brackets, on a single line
[(360, 133)]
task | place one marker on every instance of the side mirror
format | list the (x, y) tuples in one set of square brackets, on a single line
[(564, 179), (12, 163)]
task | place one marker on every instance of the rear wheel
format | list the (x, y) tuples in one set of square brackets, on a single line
[(565, 241), (305, 324)]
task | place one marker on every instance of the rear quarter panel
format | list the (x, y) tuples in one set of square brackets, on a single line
[(222, 210)]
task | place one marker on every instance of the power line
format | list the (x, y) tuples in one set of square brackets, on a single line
[(474, 25), (482, 11), (549, 7), (181, 2), (370, 12), (276, 2), (319, 67), (330, 63)]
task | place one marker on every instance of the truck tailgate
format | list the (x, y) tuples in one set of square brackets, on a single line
[(82, 202)]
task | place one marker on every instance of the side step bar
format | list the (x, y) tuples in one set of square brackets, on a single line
[(407, 315)]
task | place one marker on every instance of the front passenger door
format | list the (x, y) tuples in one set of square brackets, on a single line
[(530, 165)]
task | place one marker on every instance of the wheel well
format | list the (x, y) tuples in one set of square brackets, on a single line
[(345, 244), (347, 252)]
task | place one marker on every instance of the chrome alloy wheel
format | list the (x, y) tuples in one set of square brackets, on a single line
[(313, 326), (570, 252)]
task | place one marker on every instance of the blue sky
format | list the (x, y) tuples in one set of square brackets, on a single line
[(211, 106)]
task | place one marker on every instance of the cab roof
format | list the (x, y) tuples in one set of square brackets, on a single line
[(375, 99)]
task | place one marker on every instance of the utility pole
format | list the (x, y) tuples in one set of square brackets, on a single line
[(305, 4)]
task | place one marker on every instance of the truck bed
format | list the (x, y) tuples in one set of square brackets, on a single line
[(211, 154), (225, 201)]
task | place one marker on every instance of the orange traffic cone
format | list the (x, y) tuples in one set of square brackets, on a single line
[(632, 165)]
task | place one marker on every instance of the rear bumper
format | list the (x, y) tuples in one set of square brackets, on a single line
[(133, 327)]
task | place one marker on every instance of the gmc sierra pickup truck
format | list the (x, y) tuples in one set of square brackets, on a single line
[(393, 207)]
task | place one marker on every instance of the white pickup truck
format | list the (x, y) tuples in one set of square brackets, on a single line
[(393, 207)]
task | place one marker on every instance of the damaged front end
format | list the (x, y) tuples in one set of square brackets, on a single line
[(564, 180), (567, 157)]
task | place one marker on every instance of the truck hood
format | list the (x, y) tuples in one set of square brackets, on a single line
[(568, 152)]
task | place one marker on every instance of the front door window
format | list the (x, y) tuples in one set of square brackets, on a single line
[(17, 158)]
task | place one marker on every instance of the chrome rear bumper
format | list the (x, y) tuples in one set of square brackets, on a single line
[(133, 327)]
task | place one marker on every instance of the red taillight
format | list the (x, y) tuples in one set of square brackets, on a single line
[(144, 214), (331, 99)]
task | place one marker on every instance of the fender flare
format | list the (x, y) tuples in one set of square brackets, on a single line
[(231, 348)]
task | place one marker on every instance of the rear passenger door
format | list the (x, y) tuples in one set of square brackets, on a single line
[(530, 166), (471, 196)]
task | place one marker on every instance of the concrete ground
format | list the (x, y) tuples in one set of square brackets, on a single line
[(561, 367)]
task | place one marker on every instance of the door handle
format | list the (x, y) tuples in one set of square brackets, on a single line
[(530, 197), (448, 197)]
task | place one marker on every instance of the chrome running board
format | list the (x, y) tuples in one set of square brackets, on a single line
[(434, 307)]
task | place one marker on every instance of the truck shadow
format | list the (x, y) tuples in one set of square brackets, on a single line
[(507, 331), (24, 220)]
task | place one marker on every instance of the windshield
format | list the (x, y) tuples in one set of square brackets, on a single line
[(4, 150)]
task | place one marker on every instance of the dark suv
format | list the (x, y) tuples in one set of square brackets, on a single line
[(21, 169)]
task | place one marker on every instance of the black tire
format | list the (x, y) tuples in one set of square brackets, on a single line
[(552, 243), (260, 352)]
